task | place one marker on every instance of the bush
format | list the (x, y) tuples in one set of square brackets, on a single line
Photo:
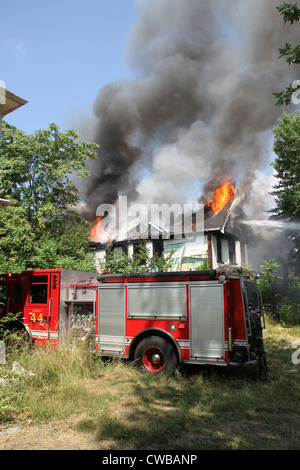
[(289, 311), (289, 315), (140, 262), (8, 331), (268, 274)]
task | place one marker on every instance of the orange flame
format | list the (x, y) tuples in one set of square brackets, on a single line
[(93, 232), (97, 233), (222, 195)]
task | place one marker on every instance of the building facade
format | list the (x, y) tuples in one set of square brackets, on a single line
[(223, 242)]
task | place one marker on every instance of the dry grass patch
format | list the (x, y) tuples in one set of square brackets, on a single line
[(78, 401)]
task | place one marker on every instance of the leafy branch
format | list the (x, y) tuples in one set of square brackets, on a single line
[(291, 14)]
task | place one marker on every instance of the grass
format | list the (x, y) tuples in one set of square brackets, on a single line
[(195, 409)]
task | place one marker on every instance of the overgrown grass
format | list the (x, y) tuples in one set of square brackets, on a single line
[(195, 409)]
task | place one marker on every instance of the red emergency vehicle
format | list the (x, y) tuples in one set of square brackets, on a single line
[(158, 320), (42, 300)]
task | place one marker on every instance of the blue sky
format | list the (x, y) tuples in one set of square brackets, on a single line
[(58, 54)]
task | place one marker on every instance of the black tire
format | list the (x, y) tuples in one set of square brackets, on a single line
[(156, 355)]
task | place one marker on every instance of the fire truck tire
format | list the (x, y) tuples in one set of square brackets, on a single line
[(156, 355)]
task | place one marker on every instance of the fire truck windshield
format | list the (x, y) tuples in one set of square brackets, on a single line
[(38, 293)]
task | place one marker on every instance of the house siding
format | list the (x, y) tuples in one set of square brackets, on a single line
[(187, 255)]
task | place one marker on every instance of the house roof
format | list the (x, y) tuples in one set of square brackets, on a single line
[(5, 202), (140, 230), (9, 101), (228, 220), (218, 221)]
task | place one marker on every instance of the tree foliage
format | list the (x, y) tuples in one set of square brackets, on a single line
[(287, 140), (37, 171), (287, 171), (268, 274), (291, 14), (287, 166), (38, 174), (140, 262)]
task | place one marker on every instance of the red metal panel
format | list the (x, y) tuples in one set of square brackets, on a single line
[(178, 329), (237, 312), (41, 307), (226, 319)]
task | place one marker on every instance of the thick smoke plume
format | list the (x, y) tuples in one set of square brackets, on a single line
[(201, 107)]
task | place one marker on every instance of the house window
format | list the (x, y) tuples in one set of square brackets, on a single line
[(158, 248), (244, 253), (219, 250), (232, 256), (124, 249)]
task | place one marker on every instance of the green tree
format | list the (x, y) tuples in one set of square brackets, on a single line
[(268, 274), (291, 14), (65, 247), (17, 239), (287, 172), (38, 170), (38, 173), (287, 166), (286, 145)]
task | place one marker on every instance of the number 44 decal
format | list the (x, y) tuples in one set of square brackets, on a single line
[(34, 318)]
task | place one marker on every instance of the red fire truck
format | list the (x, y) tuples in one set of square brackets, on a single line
[(42, 300), (157, 320)]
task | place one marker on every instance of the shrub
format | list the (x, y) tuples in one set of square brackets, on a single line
[(289, 315), (289, 311)]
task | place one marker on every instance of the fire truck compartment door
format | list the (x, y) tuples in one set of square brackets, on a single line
[(158, 301), (207, 321), (111, 327)]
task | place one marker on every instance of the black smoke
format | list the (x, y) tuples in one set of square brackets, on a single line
[(201, 106)]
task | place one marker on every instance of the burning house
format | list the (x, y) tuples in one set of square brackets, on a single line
[(223, 240)]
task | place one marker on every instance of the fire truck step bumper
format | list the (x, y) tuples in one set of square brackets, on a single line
[(246, 363)]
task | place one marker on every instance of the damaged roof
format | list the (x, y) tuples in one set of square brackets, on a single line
[(227, 220), (219, 220)]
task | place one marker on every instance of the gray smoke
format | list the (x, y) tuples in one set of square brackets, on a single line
[(201, 107)]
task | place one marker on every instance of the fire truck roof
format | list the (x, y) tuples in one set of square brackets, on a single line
[(158, 275)]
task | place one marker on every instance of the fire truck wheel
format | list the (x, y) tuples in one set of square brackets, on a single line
[(156, 355)]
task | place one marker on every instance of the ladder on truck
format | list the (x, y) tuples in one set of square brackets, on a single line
[(252, 299), (254, 311)]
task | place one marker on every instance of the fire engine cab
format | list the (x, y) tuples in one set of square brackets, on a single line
[(157, 320)]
